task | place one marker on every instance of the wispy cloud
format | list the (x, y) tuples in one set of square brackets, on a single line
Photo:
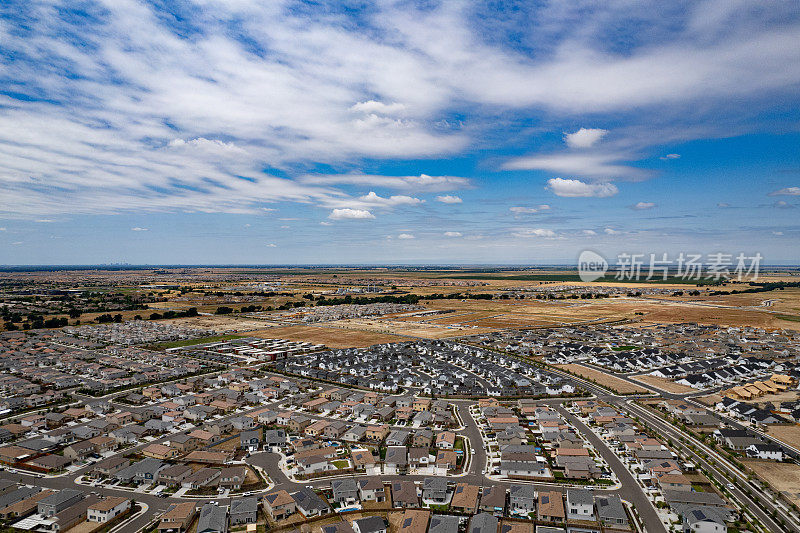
[(573, 188), (350, 214), (449, 199), (787, 191), (534, 232), (642, 206), (420, 183), (452, 234)]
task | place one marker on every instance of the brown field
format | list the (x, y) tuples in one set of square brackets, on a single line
[(224, 323), (603, 379), (411, 329), (663, 384), (783, 477), (329, 336), (789, 434)]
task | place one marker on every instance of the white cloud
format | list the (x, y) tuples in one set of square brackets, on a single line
[(723, 205), (45, 220), (584, 137), (781, 204), (788, 191), (595, 166), (589, 232), (535, 232), (17, 243), (611, 231), (153, 120), (777, 233), (452, 234), (2, 229), (271, 245), (641, 206), (347, 213), (374, 199), (670, 156), (573, 188), (139, 229), (372, 106), (521, 210), (420, 183), (449, 199), (405, 236), (324, 223)]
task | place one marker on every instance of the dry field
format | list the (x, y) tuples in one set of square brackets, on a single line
[(411, 329), (783, 477), (788, 434), (603, 379), (663, 384), (224, 323), (329, 336)]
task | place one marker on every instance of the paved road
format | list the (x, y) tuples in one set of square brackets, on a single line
[(631, 490), (756, 503)]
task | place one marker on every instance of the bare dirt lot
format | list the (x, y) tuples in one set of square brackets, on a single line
[(783, 477), (329, 336), (603, 379), (789, 434), (663, 384)]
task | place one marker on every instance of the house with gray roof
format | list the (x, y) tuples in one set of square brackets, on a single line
[(443, 524), (244, 510), (310, 503), (483, 523), (611, 512), (212, 519)]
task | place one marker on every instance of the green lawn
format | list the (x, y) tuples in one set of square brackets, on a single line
[(192, 342), (341, 464)]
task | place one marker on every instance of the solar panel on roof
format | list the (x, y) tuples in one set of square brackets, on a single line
[(407, 522), (545, 499)]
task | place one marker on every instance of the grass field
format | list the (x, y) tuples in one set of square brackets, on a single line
[(603, 379), (192, 342)]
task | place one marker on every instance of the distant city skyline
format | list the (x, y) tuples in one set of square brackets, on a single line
[(278, 133)]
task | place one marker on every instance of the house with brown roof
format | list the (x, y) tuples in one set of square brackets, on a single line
[(177, 517), (465, 498), (551, 506), (279, 504), (160, 451), (414, 521)]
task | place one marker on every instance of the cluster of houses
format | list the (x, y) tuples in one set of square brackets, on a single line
[(195, 420), (633, 349), (437, 367), (209, 517), (572, 511), (750, 391), (250, 349), (536, 443), (27, 507), (655, 466), (326, 313), (136, 332), (37, 367), (717, 371)]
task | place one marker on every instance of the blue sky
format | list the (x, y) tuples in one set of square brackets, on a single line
[(239, 131)]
